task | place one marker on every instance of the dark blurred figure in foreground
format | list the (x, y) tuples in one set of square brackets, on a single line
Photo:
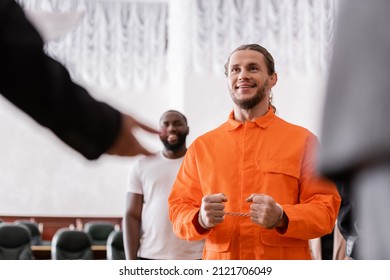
[(355, 133), (41, 87)]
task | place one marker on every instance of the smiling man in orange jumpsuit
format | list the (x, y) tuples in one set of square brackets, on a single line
[(249, 187)]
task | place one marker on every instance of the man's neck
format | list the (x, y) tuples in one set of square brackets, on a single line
[(243, 115), (175, 154)]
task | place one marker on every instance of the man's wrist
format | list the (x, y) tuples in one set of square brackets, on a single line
[(196, 222), (202, 224), (279, 219)]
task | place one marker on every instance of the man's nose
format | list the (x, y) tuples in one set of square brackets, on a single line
[(244, 74), (171, 127)]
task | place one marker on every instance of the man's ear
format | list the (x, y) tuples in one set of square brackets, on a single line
[(273, 79)]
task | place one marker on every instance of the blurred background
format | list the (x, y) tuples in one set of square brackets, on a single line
[(145, 57)]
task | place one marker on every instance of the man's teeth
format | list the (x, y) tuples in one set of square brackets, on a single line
[(172, 137)]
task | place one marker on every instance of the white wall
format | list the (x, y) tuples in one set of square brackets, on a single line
[(42, 176)]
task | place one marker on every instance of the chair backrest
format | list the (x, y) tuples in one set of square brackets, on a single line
[(36, 237), (71, 245), (115, 248), (99, 231), (15, 242)]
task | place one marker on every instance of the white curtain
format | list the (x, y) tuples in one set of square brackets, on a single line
[(118, 44), (298, 33), (125, 44)]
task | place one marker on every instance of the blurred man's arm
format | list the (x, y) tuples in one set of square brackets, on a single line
[(42, 87)]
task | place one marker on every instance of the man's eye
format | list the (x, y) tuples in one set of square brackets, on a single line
[(234, 70)]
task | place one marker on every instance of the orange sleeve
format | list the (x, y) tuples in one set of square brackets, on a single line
[(185, 200), (318, 196)]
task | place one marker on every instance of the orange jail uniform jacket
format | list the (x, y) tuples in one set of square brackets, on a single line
[(267, 156)]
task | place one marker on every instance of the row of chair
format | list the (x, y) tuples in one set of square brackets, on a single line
[(97, 230), (74, 244), (17, 238)]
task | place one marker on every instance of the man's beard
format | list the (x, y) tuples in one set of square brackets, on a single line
[(175, 147), (252, 102)]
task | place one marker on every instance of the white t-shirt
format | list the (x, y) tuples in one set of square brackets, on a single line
[(153, 177)]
